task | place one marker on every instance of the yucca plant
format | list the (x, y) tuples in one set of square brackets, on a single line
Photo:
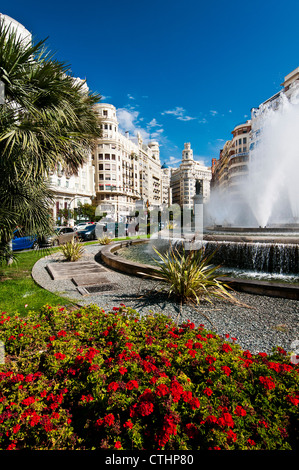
[(190, 276), (72, 250), (105, 240)]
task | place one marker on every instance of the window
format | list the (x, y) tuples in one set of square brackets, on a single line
[(107, 166), (107, 156), (100, 156), (101, 166), (244, 140), (101, 176), (113, 157), (105, 112)]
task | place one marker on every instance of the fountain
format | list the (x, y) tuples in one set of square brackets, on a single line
[(256, 237)]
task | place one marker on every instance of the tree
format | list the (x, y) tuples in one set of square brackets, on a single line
[(47, 118), (87, 211)]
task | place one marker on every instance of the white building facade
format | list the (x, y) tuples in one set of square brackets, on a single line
[(126, 170)]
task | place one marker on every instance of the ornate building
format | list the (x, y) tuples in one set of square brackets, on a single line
[(183, 179), (126, 170)]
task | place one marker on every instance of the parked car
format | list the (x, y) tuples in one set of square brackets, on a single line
[(61, 236), (20, 241), (82, 225), (89, 233)]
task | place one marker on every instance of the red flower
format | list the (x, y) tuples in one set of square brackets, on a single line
[(251, 442), (109, 419), (132, 384), (194, 403), (187, 396), (208, 391), (239, 411), (145, 408), (112, 386), (192, 352), (226, 370), (60, 356), (267, 382), (128, 424), (293, 400), (62, 333), (122, 370), (162, 390), (16, 428), (211, 419), (176, 391), (28, 401), (210, 359), (231, 436), (226, 347), (118, 443), (274, 366), (228, 420)]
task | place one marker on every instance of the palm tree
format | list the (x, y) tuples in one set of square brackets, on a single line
[(47, 118)]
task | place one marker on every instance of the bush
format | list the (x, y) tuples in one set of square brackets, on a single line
[(86, 379), (105, 240), (72, 250)]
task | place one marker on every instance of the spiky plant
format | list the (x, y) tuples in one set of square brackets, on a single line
[(105, 240), (190, 276), (72, 250)]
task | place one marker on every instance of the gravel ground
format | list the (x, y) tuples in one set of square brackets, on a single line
[(265, 323)]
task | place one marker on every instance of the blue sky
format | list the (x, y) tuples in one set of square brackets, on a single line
[(180, 71)]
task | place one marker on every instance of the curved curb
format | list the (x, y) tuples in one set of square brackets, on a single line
[(111, 258)]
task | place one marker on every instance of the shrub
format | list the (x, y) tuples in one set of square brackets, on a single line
[(190, 277), (86, 379), (72, 250), (105, 240)]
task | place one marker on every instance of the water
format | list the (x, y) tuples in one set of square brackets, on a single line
[(267, 261)]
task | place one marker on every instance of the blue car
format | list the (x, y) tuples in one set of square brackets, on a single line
[(21, 242)]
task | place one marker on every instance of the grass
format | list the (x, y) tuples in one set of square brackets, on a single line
[(19, 292)]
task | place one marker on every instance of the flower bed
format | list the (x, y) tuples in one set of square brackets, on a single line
[(86, 379)]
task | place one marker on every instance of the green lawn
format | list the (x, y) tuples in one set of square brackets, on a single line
[(18, 291)]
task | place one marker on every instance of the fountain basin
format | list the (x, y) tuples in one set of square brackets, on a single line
[(111, 257)]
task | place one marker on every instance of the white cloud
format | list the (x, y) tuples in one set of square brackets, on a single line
[(103, 97), (128, 120), (154, 123), (174, 160), (130, 97), (213, 112), (179, 113)]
